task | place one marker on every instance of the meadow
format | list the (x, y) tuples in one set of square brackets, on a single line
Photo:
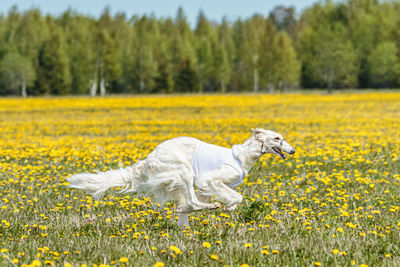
[(336, 202)]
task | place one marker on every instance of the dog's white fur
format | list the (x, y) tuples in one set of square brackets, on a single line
[(167, 174)]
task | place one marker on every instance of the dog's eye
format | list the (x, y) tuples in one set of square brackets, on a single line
[(277, 138)]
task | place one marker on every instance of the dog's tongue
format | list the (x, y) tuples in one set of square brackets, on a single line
[(277, 150)]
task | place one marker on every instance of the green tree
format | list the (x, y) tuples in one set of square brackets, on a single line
[(326, 51), (239, 77), (187, 78), (285, 66), (17, 73), (108, 62), (253, 34), (145, 65), (53, 74), (336, 62), (268, 57), (224, 51), (205, 37), (384, 66), (80, 50), (163, 82)]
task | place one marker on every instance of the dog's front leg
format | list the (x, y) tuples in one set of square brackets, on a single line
[(214, 184), (228, 196)]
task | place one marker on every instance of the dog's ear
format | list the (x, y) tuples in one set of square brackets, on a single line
[(256, 131)]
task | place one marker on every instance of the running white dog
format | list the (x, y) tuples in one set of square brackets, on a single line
[(175, 166)]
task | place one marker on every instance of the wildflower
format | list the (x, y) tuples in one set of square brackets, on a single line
[(335, 251), (124, 260), (264, 252), (317, 263), (275, 252), (248, 245), (214, 257), (159, 264), (36, 263), (175, 249), (206, 244), (244, 265)]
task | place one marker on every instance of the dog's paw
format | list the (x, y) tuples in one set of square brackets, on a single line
[(229, 208), (214, 206)]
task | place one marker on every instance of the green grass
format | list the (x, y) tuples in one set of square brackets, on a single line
[(336, 202)]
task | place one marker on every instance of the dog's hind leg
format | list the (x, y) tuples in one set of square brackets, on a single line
[(183, 218)]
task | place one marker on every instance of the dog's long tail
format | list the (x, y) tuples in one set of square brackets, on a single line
[(97, 184)]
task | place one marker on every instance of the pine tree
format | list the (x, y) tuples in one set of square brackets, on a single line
[(187, 78), (163, 82)]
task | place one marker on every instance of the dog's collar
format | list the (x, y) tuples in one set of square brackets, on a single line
[(262, 146)]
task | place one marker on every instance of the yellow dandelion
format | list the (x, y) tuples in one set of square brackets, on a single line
[(335, 251), (206, 244), (124, 260), (214, 257), (175, 249), (36, 263), (159, 264), (248, 245)]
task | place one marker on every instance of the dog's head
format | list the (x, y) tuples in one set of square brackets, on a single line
[(271, 142)]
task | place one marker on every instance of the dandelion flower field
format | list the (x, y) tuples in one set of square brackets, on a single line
[(335, 202)]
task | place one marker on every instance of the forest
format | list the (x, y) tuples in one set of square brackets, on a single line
[(330, 45)]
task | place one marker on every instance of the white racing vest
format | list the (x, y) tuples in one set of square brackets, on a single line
[(209, 157)]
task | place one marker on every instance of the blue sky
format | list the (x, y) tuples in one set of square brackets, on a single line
[(214, 9)]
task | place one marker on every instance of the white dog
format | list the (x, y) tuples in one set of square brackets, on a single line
[(177, 165)]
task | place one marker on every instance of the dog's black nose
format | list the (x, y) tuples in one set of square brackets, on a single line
[(292, 152)]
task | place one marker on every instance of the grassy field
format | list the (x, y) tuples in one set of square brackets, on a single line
[(335, 202)]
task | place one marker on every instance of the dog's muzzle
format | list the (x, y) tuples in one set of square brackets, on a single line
[(287, 148)]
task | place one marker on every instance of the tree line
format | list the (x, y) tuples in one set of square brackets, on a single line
[(351, 44)]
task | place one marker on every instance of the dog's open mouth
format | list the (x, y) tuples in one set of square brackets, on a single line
[(279, 152)]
